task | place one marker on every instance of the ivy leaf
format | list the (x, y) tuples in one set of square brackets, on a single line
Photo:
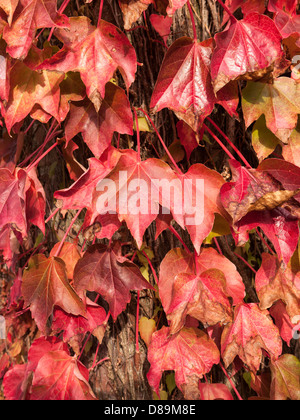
[(80, 193), (203, 297), (285, 378), (132, 10), (97, 128), (96, 53), (190, 353), (75, 327), (29, 88), (184, 83), (178, 262), (214, 391), (12, 203), (249, 49), (279, 102), (136, 192), (30, 16), (255, 198), (273, 283), (104, 270), (9, 7), (59, 376), (45, 284), (251, 331)]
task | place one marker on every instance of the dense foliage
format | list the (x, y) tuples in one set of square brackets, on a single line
[(72, 261)]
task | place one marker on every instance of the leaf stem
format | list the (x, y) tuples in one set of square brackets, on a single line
[(100, 12), (264, 241), (67, 233), (192, 20), (162, 142), (219, 142), (231, 382), (52, 215), (41, 157), (151, 266), (230, 143), (227, 10), (175, 233)]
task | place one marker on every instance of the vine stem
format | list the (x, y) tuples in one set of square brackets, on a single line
[(192, 20), (162, 142), (219, 142), (67, 233), (227, 10), (230, 143), (137, 348), (231, 382)]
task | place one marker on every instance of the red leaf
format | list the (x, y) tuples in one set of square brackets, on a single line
[(287, 24), (273, 283), (254, 199), (279, 102), (202, 296), (79, 194), (12, 203), (251, 331), (162, 25), (285, 378), (247, 7), (97, 128), (282, 321), (44, 285), (136, 191), (35, 201), (187, 137), (190, 353), (96, 53), (78, 325), (288, 6), (184, 83), (30, 16), (104, 270), (132, 10), (179, 262), (58, 376), (210, 392), (200, 201), (247, 49), (9, 7), (16, 383), (70, 254), (29, 88), (279, 226)]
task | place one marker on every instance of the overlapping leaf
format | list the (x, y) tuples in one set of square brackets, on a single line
[(30, 15), (97, 128), (45, 284), (166, 353), (279, 102), (251, 331), (96, 53), (104, 270), (184, 83), (273, 283), (249, 49)]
